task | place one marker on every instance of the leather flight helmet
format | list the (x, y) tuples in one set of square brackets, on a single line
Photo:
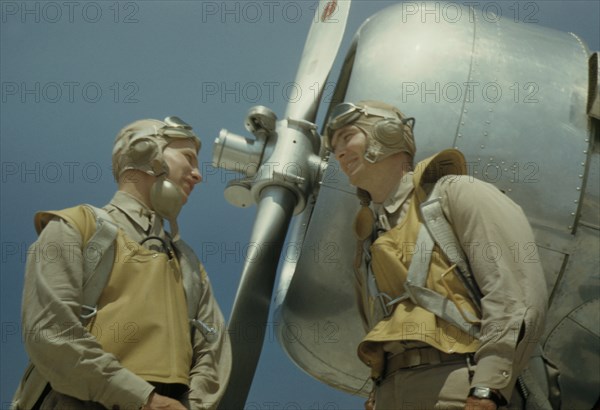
[(140, 146), (387, 130)]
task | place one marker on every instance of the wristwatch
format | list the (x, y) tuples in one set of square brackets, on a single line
[(487, 393)]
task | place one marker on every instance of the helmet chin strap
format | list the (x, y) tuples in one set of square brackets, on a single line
[(167, 199)]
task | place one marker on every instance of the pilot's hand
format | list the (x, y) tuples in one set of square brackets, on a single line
[(158, 402), (479, 404), (370, 403)]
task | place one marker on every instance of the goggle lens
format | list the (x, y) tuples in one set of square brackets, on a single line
[(344, 114)]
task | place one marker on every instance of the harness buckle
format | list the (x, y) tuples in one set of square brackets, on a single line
[(409, 293), (93, 310), (209, 332), (384, 302)]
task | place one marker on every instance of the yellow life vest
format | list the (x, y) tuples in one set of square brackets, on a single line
[(392, 254), (140, 333), (142, 315)]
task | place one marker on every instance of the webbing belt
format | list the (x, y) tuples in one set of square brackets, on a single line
[(419, 357)]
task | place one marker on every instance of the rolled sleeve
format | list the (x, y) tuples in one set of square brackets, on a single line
[(60, 347), (503, 257)]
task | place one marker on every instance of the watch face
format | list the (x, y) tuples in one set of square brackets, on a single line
[(487, 393), (482, 391)]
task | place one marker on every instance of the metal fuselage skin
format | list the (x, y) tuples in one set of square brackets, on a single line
[(512, 97)]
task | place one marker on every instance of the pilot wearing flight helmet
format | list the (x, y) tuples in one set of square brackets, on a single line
[(451, 323), (153, 337)]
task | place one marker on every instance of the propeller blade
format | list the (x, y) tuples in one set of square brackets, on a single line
[(276, 205), (248, 321), (320, 50)]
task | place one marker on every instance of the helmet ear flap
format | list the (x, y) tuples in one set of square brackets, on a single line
[(394, 135), (388, 131), (143, 154), (142, 150)]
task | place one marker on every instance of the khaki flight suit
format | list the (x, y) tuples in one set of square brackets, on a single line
[(502, 254), (140, 337)]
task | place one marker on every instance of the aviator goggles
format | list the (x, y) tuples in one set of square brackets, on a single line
[(347, 113), (174, 128)]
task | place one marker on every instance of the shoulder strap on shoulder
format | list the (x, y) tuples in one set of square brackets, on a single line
[(415, 287), (98, 259), (441, 231), (98, 233)]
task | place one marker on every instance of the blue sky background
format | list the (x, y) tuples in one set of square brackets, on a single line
[(73, 73)]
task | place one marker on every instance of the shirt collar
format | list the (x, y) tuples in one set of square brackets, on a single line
[(398, 196), (139, 213)]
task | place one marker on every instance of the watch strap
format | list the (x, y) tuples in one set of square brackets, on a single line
[(487, 393)]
